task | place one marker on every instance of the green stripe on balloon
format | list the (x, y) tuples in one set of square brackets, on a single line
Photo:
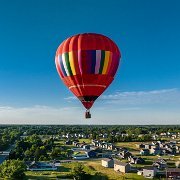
[(67, 63)]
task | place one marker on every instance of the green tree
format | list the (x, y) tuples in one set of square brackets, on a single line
[(12, 169), (78, 172)]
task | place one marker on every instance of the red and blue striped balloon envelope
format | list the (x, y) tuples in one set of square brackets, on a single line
[(87, 64)]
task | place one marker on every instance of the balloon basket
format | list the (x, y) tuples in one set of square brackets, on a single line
[(87, 114)]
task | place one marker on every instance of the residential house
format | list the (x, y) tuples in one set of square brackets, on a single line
[(121, 166), (148, 146), (155, 136), (163, 134), (140, 146), (92, 154), (125, 154), (140, 172), (75, 143), (68, 142), (173, 173), (104, 145), (144, 152), (156, 151), (105, 135), (94, 143), (149, 172), (86, 146), (136, 160), (41, 166), (110, 146), (107, 162), (160, 164)]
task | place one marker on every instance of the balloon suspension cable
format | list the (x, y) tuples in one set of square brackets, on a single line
[(87, 114)]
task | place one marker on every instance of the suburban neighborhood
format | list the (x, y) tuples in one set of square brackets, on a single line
[(132, 156)]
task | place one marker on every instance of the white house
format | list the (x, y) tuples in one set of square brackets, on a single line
[(106, 162)]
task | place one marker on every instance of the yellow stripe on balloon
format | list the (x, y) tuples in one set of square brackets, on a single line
[(71, 61), (106, 60)]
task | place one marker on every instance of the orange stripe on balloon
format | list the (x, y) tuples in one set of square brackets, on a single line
[(109, 63)]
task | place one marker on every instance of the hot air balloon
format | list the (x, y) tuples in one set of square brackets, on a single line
[(87, 64)]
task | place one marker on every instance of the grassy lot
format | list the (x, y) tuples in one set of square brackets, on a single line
[(88, 141), (131, 146), (91, 167), (111, 173), (42, 175)]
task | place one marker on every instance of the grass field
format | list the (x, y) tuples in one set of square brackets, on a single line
[(88, 141), (131, 146), (91, 167)]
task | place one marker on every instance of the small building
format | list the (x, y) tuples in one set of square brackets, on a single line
[(110, 146), (140, 146), (173, 173), (86, 146), (156, 151), (160, 164), (92, 154), (107, 163), (149, 172), (144, 152), (148, 146), (125, 154), (57, 162), (41, 166), (121, 166), (136, 160), (140, 172), (68, 142)]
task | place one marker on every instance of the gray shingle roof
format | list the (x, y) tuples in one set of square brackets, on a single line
[(120, 163)]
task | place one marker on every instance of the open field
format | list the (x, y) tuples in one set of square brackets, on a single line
[(91, 167), (131, 146)]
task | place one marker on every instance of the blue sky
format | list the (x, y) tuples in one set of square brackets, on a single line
[(146, 89)]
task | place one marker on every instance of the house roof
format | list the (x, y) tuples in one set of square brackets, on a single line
[(144, 149), (120, 163), (107, 159), (161, 161), (148, 168)]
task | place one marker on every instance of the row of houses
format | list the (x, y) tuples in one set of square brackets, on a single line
[(168, 173), (147, 171), (103, 144), (159, 148), (83, 135), (172, 135)]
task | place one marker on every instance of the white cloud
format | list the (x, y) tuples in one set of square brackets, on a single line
[(70, 98), (138, 107), (170, 96), (38, 115)]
